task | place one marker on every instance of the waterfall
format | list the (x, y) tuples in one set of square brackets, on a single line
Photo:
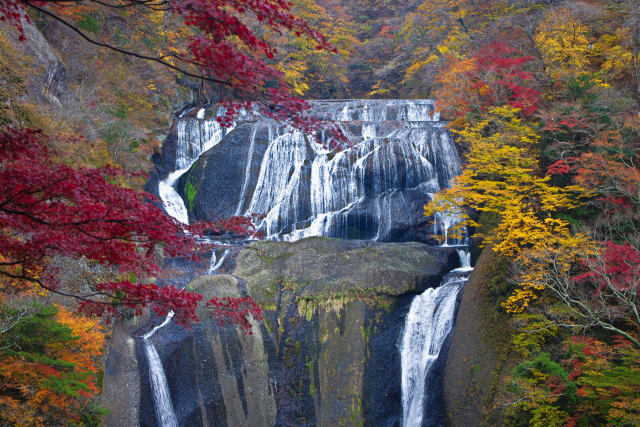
[(465, 259), (162, 400), (428, 323), (247, 169), (443, 221), (165, 414), (401, 156), (214, 264), (304, 190), (194, 137), (171, 200), (300, 189)]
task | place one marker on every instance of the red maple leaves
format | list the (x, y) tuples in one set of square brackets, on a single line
[(235, 311), (13, 11), (49, 210), (494, 76), (500, 75), (618, 269), (224, 44)]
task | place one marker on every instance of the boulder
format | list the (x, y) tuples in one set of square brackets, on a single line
[(323, 267), (214, 185)]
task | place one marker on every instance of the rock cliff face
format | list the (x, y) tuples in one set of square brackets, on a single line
[(401, 155), (479, 353), (326, 352), (121, 391), (48, 79)]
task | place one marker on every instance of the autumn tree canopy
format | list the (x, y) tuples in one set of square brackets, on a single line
[(543, 97), (58, 210), (221, 42)]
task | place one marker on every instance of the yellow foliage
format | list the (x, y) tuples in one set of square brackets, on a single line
[(295, 75), (563, 42), (620, 57), (304, 66), (547, 264), (379, 89), (520, 229), (501, 177)]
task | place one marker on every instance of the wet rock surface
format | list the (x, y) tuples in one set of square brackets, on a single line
[(401, 155), (326, 352), (217, 179)]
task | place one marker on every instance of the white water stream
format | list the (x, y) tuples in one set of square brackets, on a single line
[(429, 322), (427, 325), (195, 136), (165, 414), (303, 190), (171, 200)]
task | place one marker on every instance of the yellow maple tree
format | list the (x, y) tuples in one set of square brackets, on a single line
[(564, 43), (501, 177)]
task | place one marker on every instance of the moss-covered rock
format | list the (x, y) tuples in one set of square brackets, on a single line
[(211, 286), (324, 353), (319, 269), (218, 374)]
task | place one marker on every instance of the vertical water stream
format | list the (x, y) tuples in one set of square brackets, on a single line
[(428, 323), (400, 150), (165, 414), (195, 136)]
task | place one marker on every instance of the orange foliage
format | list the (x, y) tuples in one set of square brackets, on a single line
[(48, 368), (610, 168), (90, 339)]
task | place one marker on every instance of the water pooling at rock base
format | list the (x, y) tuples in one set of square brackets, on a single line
[(329, 349)]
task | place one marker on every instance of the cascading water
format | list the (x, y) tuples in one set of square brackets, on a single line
[(195, 136), (427, 325), (387, 157), (401, 155), (465, 259), (215, 264), (165, 414), (171, 200)]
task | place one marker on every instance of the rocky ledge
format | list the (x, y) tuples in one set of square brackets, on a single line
[(326, 352)]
